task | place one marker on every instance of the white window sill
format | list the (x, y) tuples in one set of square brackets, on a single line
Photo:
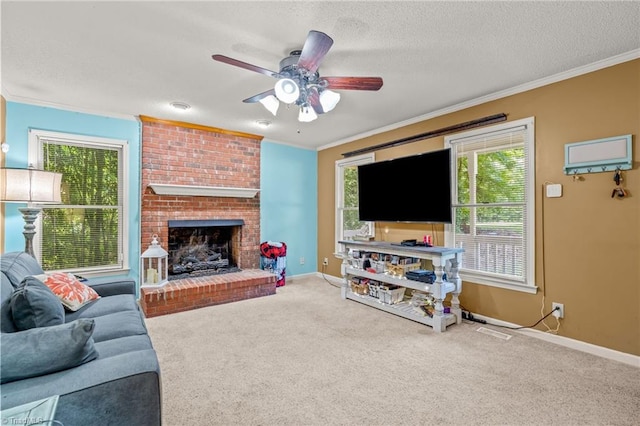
[(97, 273), (500, 283)]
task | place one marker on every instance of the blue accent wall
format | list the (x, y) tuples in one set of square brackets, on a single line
[(288, 187), (289, 203), (22, 117)]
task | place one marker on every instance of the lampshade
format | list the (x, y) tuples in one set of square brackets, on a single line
[(307, 114), (329, 100), (271, 103), (30, 186), (287, 90)]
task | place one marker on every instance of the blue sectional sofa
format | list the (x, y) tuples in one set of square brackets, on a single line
[(99, 360)]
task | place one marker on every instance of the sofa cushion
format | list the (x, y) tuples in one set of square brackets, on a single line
[(118, 324), (34, 305), (45, 350), (72, 293), (17, 265), (104, 306), (123, 345)]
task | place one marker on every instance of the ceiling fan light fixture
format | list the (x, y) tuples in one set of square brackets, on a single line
[(306, 114), (271, 103), (329, 99), (287, 90)]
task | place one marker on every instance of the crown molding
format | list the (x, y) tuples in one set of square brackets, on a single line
[(147, 119), (565, 75)]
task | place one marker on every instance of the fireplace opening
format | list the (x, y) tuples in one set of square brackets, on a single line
[(199, 248)]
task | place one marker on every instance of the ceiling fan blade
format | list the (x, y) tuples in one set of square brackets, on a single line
[(353, 83), (313, 97), (250, 67), (256, 98), (315, 47)]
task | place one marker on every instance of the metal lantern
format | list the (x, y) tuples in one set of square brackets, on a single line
[(154, 265)]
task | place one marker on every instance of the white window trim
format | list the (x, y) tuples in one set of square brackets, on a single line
[(486, 279), (339, 179), (35, 158)]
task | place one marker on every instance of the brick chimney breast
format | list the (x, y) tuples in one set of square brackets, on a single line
[(175, 153)]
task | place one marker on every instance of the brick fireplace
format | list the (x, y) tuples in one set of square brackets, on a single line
[(200, 248), (194, 174)]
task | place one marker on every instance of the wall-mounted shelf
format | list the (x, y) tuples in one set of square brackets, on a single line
[(202, 191), (600, 155)]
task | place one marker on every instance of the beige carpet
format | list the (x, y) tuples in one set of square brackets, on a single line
[(306, 357)]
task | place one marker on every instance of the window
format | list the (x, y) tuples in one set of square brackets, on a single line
[(347, 223), (493, 198), (86, 233)]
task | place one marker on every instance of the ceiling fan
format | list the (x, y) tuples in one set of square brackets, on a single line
[(299, 81)]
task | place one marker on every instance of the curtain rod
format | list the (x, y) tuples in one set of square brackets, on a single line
[(496, 118)]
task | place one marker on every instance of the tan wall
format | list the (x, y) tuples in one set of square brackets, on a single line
[(587, 244)]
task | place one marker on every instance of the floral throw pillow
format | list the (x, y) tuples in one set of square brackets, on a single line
[(72, 293)]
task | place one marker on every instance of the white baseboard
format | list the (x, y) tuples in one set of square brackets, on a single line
[(579, 345), (331, 278), (308, 274)]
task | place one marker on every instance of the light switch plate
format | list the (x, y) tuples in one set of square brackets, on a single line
[(554, 190)]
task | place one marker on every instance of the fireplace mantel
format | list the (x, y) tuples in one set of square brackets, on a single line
[(202, 191)]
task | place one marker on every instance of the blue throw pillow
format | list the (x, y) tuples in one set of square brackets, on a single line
[(45, 350), (33, 304)]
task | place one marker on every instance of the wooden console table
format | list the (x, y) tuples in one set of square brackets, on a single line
[(439, 257)]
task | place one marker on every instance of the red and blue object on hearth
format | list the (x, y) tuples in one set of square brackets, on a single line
[(274, 258)]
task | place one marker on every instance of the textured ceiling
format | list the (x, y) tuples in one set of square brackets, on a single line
[(134, 58)]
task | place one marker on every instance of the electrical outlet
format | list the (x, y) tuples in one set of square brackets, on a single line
[(302, 260), (560, 312), (325, 261)]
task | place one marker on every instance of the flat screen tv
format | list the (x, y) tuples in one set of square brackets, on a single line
[(407, 189)]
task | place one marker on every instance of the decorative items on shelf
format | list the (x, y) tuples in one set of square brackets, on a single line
[(360, 285), (391, 294), (399, 266), (374, 288), (379, 263), (154, 265), (388, 292), (422, 275), (422, 303)]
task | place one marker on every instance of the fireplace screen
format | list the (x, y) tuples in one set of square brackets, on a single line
[(203, 247)]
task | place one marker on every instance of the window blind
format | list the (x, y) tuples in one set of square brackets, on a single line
[(491, 189), (85, 231)]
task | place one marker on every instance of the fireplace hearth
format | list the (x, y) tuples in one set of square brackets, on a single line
[(200, 248)]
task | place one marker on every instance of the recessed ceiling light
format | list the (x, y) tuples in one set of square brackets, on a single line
[(263, 123), (180, 106)]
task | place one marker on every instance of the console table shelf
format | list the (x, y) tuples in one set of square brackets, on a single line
[(440, 257), (402, 309)]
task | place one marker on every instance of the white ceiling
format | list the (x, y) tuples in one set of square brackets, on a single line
[(125, 59)]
